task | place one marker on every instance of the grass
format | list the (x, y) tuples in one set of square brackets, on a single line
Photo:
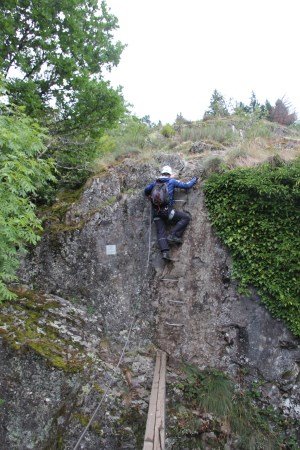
[(258, 129), (210, 402), (226, 148), (216, 394), (216, 130), (252, 152), (247, 142)]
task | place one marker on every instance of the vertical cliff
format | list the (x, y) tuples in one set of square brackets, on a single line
[(101, 270)]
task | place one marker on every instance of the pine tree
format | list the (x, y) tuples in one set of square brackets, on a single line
[(217, 106)]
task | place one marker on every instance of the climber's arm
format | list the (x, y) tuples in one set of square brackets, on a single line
[(185, 185), (148, 189)]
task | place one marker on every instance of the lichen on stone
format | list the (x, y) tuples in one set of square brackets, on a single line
[(25, 323)]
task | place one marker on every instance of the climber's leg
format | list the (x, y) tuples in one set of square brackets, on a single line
[(182, 220), (161, 233)]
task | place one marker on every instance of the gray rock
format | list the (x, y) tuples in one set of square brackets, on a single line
[(100, 295)]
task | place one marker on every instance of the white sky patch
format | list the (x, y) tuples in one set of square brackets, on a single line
[(178, 52)]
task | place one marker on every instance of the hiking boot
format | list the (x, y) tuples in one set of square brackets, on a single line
[(166, 255), (172, 239)]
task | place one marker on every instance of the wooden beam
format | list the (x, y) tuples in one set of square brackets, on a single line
[(155, 427), (159, 432)]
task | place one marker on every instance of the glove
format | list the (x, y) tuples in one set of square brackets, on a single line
[(194, 186)]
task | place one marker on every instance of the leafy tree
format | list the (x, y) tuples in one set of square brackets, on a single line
[(53, 55), (217, 106), (75, 140), (23, 171), (55, 46), (131, 133), (147, 121)]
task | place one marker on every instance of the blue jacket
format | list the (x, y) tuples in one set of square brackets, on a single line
[(172, 185)]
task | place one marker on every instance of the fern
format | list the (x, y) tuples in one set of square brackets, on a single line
[(22, 173)]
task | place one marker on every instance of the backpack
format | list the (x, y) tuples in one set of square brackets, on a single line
[(160, 195)]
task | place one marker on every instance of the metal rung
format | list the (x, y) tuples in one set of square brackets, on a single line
[(169, 279), (179, 200), (176, 301), (174, 324)]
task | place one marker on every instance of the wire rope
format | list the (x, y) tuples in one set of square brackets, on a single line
[(133, 322)]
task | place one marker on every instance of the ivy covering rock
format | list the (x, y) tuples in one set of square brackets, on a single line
[(256, 213)]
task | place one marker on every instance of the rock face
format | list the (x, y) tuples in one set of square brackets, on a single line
[(102, 260)]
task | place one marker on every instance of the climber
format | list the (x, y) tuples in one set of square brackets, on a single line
[(161, 194)]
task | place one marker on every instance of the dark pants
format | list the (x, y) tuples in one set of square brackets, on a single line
[(161, 219)]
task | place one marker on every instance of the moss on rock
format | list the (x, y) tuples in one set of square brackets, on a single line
[(25, 323)]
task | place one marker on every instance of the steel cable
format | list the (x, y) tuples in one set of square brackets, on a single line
[(135, 319)]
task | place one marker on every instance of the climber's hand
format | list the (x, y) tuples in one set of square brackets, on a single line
[(195, 185)]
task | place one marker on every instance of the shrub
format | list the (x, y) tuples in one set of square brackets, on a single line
[(256, 213), (212, 164), (167, 131)]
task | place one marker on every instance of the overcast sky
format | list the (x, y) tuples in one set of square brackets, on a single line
[(179, 51)]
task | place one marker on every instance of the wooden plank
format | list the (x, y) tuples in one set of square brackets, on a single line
[(155, 427), (159, 436), (163, 400), (148, 446), (149, 434)]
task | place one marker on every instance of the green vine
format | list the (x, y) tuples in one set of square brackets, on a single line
[(256, 213)]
